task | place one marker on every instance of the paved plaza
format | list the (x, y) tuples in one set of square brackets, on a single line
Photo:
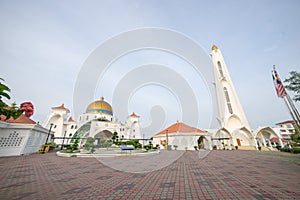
[(192, 175)]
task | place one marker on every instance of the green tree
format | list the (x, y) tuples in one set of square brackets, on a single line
[(75, 145), (294, 84), (105, 143), (115, 138), (89, 144), (5, 110)]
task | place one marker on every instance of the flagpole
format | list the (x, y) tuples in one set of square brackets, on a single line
[(280, 90), (296, 114), (291, 113), (294, 108)]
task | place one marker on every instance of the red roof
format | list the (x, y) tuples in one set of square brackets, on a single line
[(180, 127), (62, 106), (23, 119), (277, 140), (286, 122), (134, 115), (71, 119)]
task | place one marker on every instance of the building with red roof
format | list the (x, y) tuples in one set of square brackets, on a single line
[(20, 136), (182, 137)]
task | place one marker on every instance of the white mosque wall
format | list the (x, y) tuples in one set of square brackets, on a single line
[(19, 139), (183, 141)]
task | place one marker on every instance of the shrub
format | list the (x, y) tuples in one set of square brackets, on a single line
[(89, 144), (296, 150)]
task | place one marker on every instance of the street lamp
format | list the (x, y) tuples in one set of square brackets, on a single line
[(69, 138), (167, 139), (49, 133), (63, 140)]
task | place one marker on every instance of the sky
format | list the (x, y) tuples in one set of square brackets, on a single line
[(46, 44)]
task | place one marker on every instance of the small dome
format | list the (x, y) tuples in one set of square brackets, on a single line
[(100, 106), (214, 48)]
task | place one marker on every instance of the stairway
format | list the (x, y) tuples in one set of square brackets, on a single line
[(252, 148)]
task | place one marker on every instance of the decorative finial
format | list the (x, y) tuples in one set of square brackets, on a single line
[(102, 98), (214, 48)]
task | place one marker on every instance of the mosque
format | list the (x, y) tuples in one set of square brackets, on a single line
[(233, 131), (97, 122)]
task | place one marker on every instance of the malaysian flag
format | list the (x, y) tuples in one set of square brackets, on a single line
[(278, 84)]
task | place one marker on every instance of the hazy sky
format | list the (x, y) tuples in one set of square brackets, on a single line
[(44, 45)]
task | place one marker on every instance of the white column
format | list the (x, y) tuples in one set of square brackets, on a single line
[(280, 141)]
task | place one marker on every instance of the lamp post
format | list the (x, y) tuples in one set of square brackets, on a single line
[(69, 138), (167, 138), (63, 141), (49, 133)]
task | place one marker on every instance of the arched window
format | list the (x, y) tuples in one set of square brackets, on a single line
[(220, 69), (72, 126), (228, 100)]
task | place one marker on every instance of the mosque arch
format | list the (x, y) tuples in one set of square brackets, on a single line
[(243, 137), (234, 121), (204, 143), (54, 119), (223, 139), (263, 135), (104, 135)]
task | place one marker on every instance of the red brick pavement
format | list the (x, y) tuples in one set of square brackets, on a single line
[(220, 175)]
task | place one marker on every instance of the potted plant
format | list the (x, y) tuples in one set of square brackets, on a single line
[(196, 148), (175, 146)]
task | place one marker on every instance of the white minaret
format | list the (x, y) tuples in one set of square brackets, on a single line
[(233, 123)]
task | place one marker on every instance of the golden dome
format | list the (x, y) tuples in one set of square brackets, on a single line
[(100, 106), (214, 47)]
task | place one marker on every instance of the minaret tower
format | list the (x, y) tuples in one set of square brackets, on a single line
[(233, 123)]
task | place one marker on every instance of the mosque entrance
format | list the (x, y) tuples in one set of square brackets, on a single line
[(103, 135), (238, 142)]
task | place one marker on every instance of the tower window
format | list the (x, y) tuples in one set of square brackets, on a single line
[(220, 69), (228, 100)]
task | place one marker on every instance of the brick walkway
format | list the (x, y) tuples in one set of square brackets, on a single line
[(219, 175)]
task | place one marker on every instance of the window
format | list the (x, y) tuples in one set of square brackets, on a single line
[(228, 100), (282, 130), (220, 69), (87, 117), (13, 140), (72, 126)]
